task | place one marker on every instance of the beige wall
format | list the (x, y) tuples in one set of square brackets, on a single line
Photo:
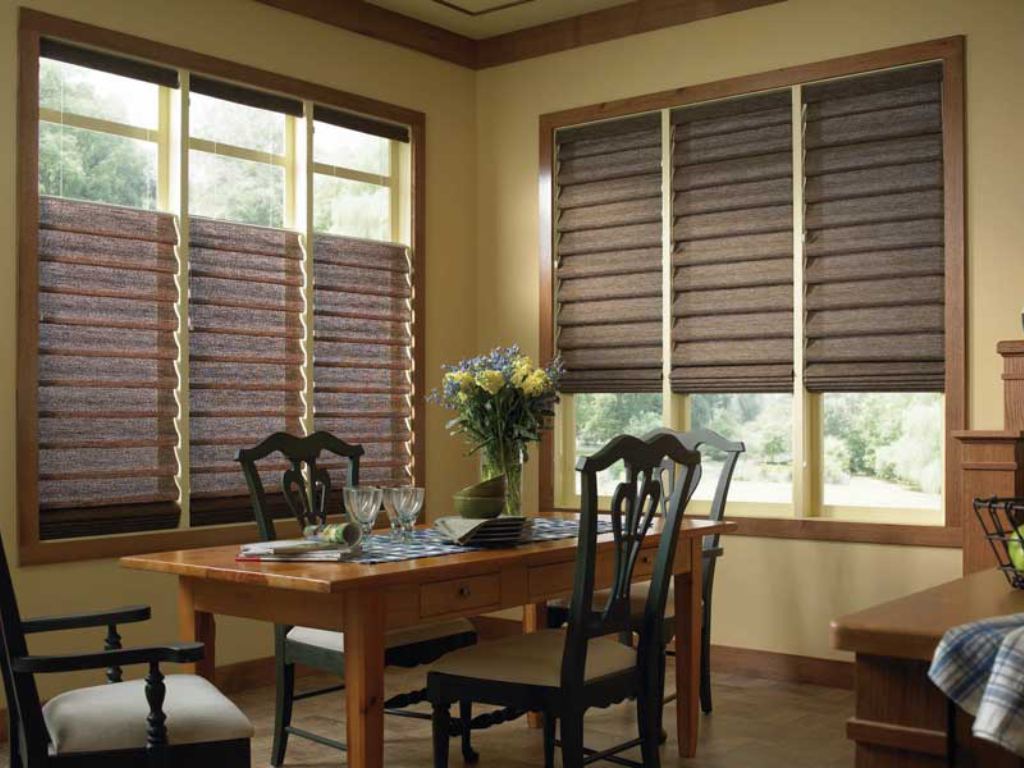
[(260, 36), (774, 594)]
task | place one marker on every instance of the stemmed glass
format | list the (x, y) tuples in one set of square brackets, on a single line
[(389, 506), (363, 505), (407, 502)]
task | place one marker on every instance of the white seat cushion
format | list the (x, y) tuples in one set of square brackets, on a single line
[(637, 598), (109, 717), (533, 659), (335, 641)]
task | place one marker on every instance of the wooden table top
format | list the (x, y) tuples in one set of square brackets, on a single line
[(910, 627), (218, 563)]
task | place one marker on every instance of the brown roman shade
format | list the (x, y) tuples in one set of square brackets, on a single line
[(732, 235), (608, 255), (875, 271), (106, 375), (361, 123), (245, 357), (108, 62), (249, 97), (362, 353)]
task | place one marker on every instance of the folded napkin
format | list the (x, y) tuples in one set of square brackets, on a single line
[(457, 529), (980, 667), (331, 543), (467, 532)]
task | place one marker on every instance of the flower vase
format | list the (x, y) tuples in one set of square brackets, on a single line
[(505, 459)]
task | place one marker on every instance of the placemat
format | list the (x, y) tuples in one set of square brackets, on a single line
[(427, 542)]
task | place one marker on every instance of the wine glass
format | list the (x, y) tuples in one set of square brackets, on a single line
[(407, 501), (389, 506), (363, 505)]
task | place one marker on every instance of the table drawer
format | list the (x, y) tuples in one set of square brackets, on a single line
[(459, 595)]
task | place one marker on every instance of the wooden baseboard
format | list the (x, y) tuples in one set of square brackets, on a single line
[(784, 667)]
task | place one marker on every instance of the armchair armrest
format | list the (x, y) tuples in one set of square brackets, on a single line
[(126, 615), (177, 653)]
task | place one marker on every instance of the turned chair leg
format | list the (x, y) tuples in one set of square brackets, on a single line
[(466, 721), (442, 723), (282, 709), (550, 722)]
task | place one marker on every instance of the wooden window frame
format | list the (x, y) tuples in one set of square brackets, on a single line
[(950, 52), (33, 25)]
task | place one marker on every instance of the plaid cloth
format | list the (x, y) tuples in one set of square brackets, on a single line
[(980, 667), (428, 542)]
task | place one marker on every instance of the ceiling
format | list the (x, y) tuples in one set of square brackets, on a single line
[(486, 18)]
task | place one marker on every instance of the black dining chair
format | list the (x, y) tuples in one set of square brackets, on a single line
[(306, 494), (703, 440), (177, 720), (564, 672)]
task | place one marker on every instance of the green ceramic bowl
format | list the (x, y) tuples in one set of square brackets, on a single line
[(487, 489), (478, 507)]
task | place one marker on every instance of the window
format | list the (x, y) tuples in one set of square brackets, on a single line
[(145, 387), (803, 298), (97, 135), (883, 449)]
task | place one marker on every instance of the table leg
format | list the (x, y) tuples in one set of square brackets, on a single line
[(196, 626), (535, 618), (364, 678), (688, 620)]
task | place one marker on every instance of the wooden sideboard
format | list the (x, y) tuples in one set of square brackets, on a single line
[(900, 719), (992, 462)]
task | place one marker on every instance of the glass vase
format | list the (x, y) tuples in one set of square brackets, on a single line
[(505, 459)]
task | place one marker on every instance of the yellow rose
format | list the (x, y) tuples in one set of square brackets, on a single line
[(536, 383), (464, 380), (521, 370), (490, 381)]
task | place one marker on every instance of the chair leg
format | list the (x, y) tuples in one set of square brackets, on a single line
[(466, 719), (442, 721), (572, 740), (659, 701), (705, 658), (550, 721), (282, 709), (648, 717)]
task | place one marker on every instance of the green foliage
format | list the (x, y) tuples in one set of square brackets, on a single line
[(600, 417)]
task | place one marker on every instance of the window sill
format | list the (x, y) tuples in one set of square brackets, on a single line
[(819, 529), (102, 547)]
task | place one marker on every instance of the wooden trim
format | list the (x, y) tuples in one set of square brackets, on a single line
[(388, 26), (27, 211), (784, 667), (950, 51), (801, 74), (599, 26), (545, 193), (66, 29), (923, 741), (32, 27), (956, 289)]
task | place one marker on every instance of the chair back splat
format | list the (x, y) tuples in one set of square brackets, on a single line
[(305, 484), (635, 504)]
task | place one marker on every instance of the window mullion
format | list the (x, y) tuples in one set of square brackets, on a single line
[(806, 458), (177, 204), (671, 405), (302, 173)]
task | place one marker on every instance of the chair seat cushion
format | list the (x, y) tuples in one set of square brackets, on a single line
[(637, 599), (335, 641), (110, 717), (533, 659)]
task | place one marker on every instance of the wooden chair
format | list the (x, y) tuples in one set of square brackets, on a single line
[(306, 491), (562, 673), (694, 440), (178, 720)]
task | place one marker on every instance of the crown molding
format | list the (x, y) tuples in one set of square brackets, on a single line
[(564, 34)]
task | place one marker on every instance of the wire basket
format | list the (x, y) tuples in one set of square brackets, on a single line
[(1002, 519)]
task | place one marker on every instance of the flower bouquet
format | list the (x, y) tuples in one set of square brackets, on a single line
[(503, 402)]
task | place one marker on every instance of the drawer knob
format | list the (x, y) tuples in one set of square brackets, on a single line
[(464, 591)]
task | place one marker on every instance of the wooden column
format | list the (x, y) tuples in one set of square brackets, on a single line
[(992, 462)]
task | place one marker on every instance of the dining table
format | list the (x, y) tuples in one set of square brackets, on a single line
[(367, 600)]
